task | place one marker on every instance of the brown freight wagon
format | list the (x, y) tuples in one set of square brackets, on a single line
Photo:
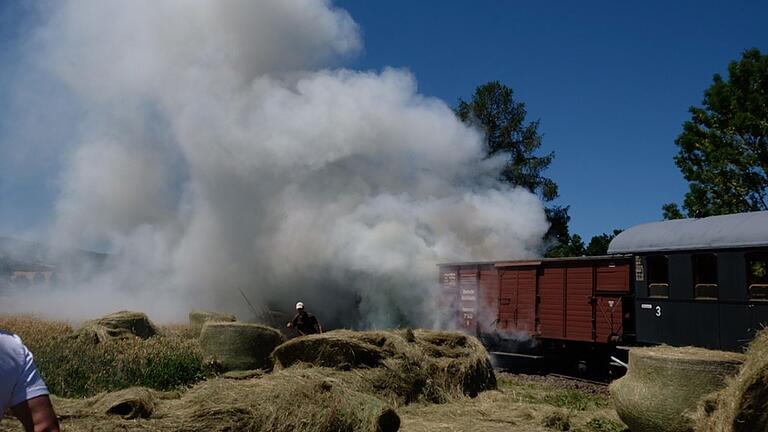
[(583, 304)]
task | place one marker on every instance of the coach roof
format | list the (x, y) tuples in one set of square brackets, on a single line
[(715, 232)]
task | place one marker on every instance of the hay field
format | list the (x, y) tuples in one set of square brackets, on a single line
[(419, 380), (76, 367)]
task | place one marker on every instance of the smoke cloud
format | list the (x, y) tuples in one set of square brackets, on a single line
[(219, 146)]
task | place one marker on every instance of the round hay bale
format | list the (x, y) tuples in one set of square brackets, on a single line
[(118, 325), (239, 346), (743, 405), (198, 318), (664, 385)]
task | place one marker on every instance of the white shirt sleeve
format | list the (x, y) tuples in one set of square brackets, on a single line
[(29, 383)]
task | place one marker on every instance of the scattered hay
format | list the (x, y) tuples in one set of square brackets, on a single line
[(743, 405), (557, 420), (332, 349), (300, 400), (130, 403), (290, 400), (435, 367), (239, 346), (118, 325), (243, 374), (198, 318), (664, 385)]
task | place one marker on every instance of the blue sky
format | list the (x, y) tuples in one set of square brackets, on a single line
[(610, 81)]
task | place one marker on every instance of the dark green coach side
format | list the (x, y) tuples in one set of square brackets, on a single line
[(701, 282)]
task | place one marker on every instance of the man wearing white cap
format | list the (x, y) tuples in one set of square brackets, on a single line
[(305, 323)]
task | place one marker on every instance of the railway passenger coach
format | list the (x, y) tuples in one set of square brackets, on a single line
[(701, 282)]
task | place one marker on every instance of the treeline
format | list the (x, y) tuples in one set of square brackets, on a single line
[(723, 151)]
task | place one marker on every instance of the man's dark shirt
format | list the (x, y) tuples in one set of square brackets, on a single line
[(305, 323)]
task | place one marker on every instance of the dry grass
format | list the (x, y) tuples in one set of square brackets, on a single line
[(743, 405), (518, 405), (257, 404), (400, 367), (77, 367), (416, 368)]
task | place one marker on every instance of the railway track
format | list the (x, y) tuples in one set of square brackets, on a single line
[(579, 379)]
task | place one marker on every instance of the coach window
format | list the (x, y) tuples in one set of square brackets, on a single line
[(757, 276), (658, 275), (705, 276)]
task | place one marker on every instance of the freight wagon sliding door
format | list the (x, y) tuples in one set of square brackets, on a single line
[(552, 306), (578, 298), (487, 299), (517, 300)]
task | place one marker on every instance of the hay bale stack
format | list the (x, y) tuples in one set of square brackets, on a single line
[(198, 318), (743, 405), (295, 399), (400, 367), (239, 346), (664, 385), (118, 325)]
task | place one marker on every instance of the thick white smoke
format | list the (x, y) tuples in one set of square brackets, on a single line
[(220, 148)]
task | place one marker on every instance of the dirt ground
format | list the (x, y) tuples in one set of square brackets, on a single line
[(522, 403)]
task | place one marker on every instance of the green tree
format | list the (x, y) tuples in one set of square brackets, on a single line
[(598, 245), (494, 110), (723, 149), (671, 211), (572, 246)]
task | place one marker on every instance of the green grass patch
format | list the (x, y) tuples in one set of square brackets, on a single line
[(531, 392), (77, 367)]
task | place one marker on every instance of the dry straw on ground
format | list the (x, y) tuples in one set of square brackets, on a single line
[(398, 366), (296, 399), (304, 394), (198, 318), (239, 346), (743, 405), (118, 325), (338, 381), (664, 385)]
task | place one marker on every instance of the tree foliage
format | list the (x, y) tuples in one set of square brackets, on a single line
[(493, 109), (572, 246), (671, 211), (598, 245), (723, 149)]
